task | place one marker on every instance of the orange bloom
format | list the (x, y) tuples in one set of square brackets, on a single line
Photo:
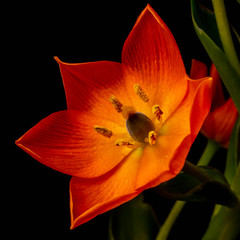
[(129, 126), (223, 114)]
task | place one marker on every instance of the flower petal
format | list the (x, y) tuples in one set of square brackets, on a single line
[(87, 85), (176, 136), (218, 98), (91, 197), (155, 165), (143, 168), (201, 103), (189, 116), (154, 61), (67, 142), (198, 69), (219, 123)]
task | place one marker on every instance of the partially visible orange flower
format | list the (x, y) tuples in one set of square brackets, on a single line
[(223, 114), (129, 126)]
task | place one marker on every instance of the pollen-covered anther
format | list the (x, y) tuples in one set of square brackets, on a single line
[(121, 142), (152, 137), (115, 102), (157, 112), (103, 131), (139, 91)]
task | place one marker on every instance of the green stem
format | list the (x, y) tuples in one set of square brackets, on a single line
[(207, 155), (225, 34), (166, 227)]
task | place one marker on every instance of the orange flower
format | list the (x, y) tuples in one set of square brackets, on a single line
[(220, 121), (129, 126)]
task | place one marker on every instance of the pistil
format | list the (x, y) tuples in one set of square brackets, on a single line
[(138, 126)]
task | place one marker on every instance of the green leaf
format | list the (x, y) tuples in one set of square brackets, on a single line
[(186, 187), (224, 225), (225, 222), (133, 220), (206, 28), (236, 180), (233, 155), (236, 33)]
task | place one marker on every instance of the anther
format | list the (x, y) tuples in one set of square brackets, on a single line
[(115, 102), (157, 112), (121, 142), (103, 131), (139, 91), (152, 137)]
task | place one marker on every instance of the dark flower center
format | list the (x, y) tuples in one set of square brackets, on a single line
[(139, 126)]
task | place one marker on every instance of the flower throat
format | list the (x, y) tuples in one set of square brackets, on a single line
[(140, 127)]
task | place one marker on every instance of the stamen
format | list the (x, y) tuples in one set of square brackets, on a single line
[(121, 142), (157, 112), (152, 137), (115, 102), (139, 91), (103, 131)]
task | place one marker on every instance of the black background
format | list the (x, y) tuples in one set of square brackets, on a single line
[(36, 198)]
